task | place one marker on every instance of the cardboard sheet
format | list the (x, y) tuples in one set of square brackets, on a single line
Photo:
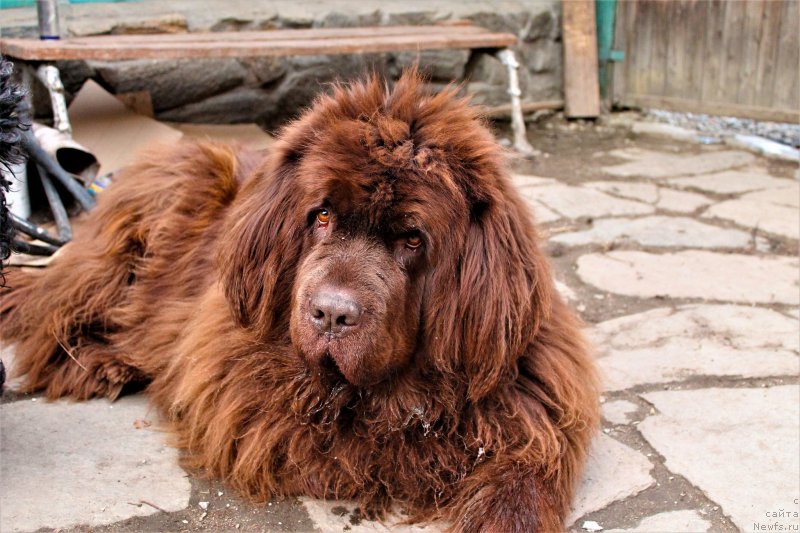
[(247, 135), (113, 133)]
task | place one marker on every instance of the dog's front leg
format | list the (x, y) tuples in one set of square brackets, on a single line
[(509, 498)]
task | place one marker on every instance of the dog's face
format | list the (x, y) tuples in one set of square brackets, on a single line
[(382, 233), (368, 247)]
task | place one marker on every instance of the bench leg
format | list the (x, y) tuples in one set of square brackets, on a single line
[(521, 144), (51, 78)]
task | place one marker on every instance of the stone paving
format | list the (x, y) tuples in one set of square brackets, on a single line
[(682, 260)]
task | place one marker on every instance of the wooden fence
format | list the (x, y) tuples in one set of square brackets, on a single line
[(726, 57)]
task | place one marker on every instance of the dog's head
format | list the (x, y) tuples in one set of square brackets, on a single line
[(383, 234)]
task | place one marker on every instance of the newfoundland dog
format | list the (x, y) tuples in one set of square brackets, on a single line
[(365, 313)]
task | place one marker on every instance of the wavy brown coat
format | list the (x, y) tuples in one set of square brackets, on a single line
[(186, 279)]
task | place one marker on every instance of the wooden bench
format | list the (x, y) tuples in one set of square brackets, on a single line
[(293, 42)]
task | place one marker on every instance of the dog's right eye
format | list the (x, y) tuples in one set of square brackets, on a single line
[(323, 217)]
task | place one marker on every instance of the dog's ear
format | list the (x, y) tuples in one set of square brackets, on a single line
[(486, 317), (262, 242)]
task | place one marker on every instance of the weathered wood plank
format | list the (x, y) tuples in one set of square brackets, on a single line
[(659, 11), (764, 79), (733, 44), (697, 17), (786, 91), (581, 84), (282, 35), (714, 108), (714, 51), (737, 57), (156, 49), (676, 30), (752, 37), (623, 34)]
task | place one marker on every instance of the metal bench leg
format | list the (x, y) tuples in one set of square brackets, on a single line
[(521, 144), (51, 78)]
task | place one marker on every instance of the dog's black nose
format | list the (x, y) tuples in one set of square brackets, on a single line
[(334, 311)]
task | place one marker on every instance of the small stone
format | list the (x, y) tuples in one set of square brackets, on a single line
[(591, 525), (203, 505)]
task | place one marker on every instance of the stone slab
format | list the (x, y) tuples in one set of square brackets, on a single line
[(657, 231), (613, 472), (739, 446), (773, 211), (66, 464), (694, 274), (661, 197), (686, 521), (656, 165), (665, 345), (731, 181), (576, 202)]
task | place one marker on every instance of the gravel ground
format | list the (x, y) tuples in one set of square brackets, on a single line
[(781, 132)]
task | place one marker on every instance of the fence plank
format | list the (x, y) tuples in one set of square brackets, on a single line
[(738, 57), (581, 84), (786, 92)]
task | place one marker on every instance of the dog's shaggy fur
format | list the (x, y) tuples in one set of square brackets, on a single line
[(11, 125), (458, 386)]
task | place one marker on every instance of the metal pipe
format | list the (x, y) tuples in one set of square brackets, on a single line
[(37, 232), (32, 249), (56, 206), (521, 144), (47, 12), (51, 79), (52, 167)]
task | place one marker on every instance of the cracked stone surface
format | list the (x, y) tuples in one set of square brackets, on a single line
[(694, 274), (731, 182), (739, 446), (657, 231), (94, 462), (652, 164), (649, 193), (665, 345), (673, 522)]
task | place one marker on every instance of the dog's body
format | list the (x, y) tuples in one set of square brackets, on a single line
[(364, 315)]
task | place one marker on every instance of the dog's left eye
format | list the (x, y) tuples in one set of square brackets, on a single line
[(413, 241), (323, 217)]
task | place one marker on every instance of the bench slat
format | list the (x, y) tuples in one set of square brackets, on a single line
[(252, 44), (279, 35)]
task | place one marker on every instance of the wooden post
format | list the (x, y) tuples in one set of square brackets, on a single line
[(581, 88)]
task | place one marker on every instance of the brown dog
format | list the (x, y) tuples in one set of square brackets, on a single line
[(365, 314)]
